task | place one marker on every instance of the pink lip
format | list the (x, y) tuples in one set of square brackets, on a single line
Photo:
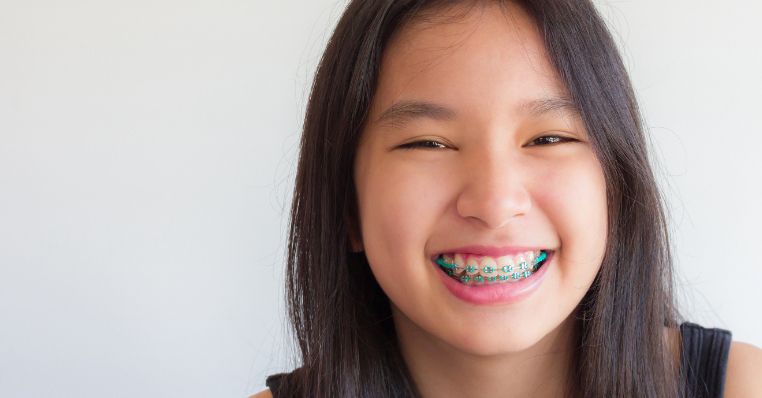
[(497, 293), (492, 251)]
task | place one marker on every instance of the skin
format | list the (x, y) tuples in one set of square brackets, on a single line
[(490, 182)]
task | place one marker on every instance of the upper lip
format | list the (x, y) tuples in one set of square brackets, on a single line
[(492, 251)]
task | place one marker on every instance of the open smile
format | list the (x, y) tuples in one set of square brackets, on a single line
[(476, 270), (477, 280)]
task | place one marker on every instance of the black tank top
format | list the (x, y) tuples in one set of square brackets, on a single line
[(704, 361)]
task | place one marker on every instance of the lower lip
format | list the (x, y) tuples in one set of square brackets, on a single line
[(496, 293)]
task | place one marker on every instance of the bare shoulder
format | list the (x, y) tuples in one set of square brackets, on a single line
[(263, 394), (743, 374)]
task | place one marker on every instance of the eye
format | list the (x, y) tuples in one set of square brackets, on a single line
[(551, 139), (425, 144)]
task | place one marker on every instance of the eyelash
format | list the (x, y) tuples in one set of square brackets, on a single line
[(419, 144)]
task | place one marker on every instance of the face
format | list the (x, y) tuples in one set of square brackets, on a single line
[(481, 167)]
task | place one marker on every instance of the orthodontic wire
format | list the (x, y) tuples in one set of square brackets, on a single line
[(451, 268)]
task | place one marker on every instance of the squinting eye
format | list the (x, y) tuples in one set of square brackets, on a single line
[(425, 144), (541, 141), (552, 139)]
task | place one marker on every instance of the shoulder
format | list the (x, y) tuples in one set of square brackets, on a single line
[(262, 394), (743, 378)]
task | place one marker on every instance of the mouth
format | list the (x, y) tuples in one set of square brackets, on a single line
[(475, 270)]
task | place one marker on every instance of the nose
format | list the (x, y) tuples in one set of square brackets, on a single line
[(495, 192)]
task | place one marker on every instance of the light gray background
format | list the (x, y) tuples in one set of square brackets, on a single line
[(147, 153)]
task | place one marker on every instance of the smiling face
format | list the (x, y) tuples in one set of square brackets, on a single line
[(466, 156)]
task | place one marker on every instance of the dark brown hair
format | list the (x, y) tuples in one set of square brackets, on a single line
[(340, 316)]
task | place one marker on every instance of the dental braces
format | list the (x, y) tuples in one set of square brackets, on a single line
[(479, 278), (488, 269)]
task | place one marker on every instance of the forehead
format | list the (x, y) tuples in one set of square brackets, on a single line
[(481, 61)]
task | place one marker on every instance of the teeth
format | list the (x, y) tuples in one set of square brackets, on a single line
[(487, 266), (459, 261), (505, 265), (472, 263), (448, 258), (485, 269), (521, 263)]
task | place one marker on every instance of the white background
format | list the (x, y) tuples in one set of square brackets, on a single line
[(147, 155)]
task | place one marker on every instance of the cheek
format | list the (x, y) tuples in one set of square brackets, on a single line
[(574, 197), (397, 212)]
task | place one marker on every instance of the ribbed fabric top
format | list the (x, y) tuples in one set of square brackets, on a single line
[(704, 359), (704, 362)]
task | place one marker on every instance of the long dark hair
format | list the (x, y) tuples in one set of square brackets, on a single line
[(341, 318)]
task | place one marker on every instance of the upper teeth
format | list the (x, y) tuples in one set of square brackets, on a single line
[(473, 264)]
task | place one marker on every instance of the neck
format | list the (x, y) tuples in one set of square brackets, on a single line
[(441, 370)]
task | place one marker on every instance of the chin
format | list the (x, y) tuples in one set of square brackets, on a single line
[(494, 342)]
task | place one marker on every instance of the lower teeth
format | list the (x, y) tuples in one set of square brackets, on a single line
[(516, 276)]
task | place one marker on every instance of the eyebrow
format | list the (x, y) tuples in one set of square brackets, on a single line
[(402, 112)]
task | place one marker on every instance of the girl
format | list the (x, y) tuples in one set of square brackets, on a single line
[(475, 216)]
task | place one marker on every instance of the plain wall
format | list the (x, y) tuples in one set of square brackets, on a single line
[(147, 157)]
